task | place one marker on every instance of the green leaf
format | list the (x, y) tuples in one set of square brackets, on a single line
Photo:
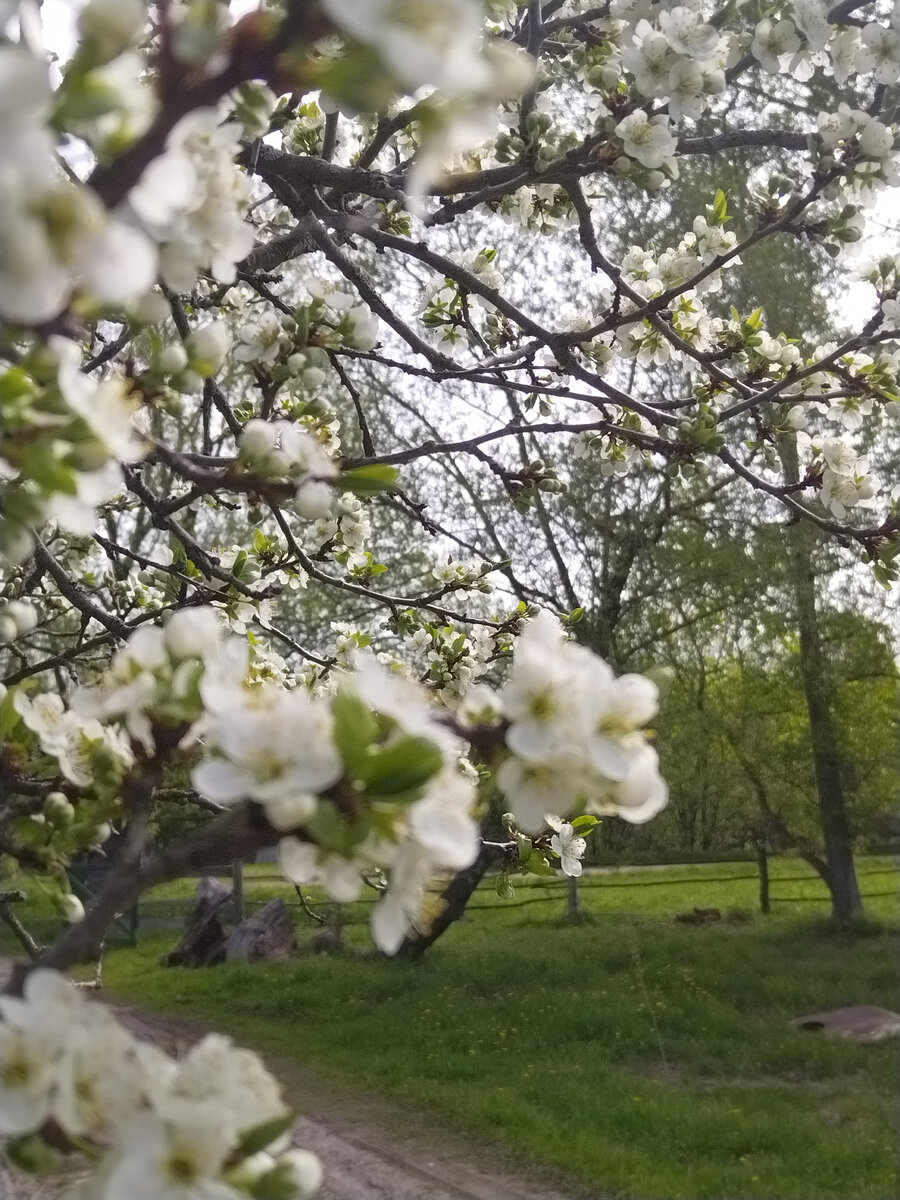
[(42, 465), (404, 766), (32, 1154), (326, 826), (539, 864), (256, 1139), (368, 481), (9, 718), (355, 727), (586, 824), (525, 847), (720, 208), (14, 384), (87, 100)]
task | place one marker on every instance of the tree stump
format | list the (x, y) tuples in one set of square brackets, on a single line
[(203, 941), (267, 934)]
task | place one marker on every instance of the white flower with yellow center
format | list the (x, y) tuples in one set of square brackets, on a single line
[(269, 753)]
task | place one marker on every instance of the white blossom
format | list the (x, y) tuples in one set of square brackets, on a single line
[(575, 732), (268, 751), (648, 140), (191, 201), (773, 42), (879, 53), (568, 845), (303, 862)]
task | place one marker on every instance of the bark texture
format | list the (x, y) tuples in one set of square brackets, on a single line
[(837, 834)]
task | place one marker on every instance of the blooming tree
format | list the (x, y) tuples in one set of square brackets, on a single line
[(227, 237)]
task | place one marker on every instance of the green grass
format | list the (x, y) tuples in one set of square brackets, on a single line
[(638, 1057)]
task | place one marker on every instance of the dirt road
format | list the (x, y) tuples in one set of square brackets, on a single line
[(371, 1148)]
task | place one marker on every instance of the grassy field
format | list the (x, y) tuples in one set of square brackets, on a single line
[(638, 1057)]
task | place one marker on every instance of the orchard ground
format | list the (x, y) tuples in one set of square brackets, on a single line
[(626, 1055)]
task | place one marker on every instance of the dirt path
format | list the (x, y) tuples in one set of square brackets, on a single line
[(371, 1148)]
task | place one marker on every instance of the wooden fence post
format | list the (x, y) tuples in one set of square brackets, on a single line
[(762, 860), (573, 906)]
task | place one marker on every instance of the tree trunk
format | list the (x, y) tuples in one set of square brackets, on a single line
[(836, 832), (456, 896)]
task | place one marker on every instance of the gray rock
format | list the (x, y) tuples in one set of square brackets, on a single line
[(857, 1023)]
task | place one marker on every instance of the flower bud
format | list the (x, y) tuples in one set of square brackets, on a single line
[(24, 616), (171, 360), (207, 347), (314, 500), (250, 1169), (89, 455), (278, 463), (150, 309), (300, 1172), (289, 812), (57, 809), (188, 382), (296, 363), (257, 441), (193, 633), (313, 377), (71, 909)]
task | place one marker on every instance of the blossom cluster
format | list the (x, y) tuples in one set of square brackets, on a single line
[(371, 775), (846, 481), (799, 39), (576, 733), (454, 660), (210, 1123), (281, 449), (87, 427), (615, 455), (184, 214), (56, 234)]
